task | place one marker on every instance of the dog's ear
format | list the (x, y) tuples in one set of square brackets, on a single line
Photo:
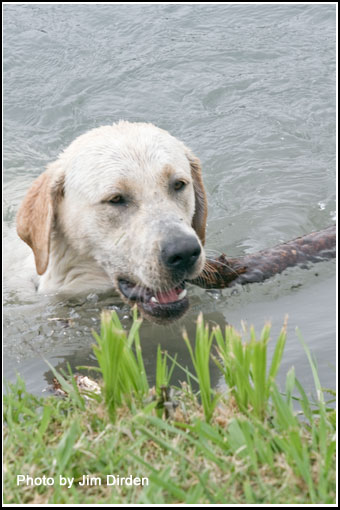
[(201, 204), (36, 215)]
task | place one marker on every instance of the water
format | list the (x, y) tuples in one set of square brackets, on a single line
[(249, 88)]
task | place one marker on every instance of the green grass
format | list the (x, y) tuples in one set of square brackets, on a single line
[(244, 366), (200, 359), (124, 377), (247, 446)]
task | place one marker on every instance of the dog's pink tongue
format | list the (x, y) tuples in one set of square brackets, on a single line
[(168, 297)]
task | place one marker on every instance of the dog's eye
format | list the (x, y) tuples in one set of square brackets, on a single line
[(117, 200), (178, 185)]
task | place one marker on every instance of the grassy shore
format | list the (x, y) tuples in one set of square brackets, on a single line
[(248, 445)]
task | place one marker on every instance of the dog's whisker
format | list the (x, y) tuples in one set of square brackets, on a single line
[(220, 263)]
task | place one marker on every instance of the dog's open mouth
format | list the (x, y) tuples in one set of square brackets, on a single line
[(160, 306)]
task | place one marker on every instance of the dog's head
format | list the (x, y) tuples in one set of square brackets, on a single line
[(129, 197)]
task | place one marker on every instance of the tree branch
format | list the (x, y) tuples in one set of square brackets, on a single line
[(222, 271)]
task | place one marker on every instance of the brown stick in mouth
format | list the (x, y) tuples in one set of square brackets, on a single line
[(222, 271)]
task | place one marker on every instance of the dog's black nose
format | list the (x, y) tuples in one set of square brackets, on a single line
[(180, 253)]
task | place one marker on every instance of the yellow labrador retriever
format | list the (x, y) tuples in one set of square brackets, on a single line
[(122, 208)]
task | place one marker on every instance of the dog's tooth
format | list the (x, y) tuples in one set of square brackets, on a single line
[(154, 300), (182, 294)]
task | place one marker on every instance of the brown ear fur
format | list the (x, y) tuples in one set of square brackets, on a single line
[(201, 204), (36, 215)]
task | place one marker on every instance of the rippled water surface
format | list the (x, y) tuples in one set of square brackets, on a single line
[(249, 88)]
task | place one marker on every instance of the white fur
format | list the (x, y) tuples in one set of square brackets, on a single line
[(93, 242)]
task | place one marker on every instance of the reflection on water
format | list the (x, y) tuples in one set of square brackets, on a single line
[(65, 340)]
